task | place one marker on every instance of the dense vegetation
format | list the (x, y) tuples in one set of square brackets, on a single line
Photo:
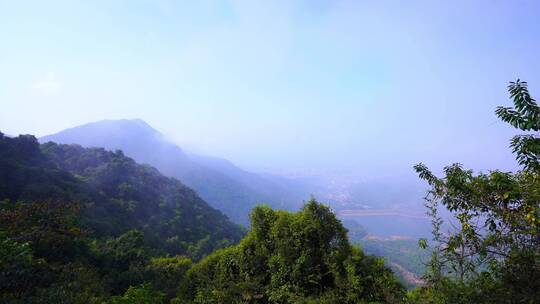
[(302, 257), (493, 253), (87, 223)]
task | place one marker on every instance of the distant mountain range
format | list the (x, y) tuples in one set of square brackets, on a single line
[(218, 181)]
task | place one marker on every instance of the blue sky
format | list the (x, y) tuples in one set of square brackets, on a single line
[(368, 86)]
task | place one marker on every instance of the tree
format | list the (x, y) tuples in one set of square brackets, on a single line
[(41, 253), (17, 269), (302, 257), (142, 294), (167, 273), (123, 260), (49, 227), (524, 116), (494, 248)]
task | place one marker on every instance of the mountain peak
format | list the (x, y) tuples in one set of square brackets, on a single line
[(135, 124), (109, 134)]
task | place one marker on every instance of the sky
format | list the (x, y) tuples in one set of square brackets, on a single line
[(366, 86)]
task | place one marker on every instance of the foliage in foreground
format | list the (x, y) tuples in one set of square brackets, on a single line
[(493, 253), (302, 257), (299, 257)]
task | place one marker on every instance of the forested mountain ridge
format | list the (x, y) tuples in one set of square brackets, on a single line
[(117, 194), (220, 183), (85, 225)]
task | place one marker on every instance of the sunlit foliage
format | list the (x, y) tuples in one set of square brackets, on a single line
[(291, 258), (493, 253)]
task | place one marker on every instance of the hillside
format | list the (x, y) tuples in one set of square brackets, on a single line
[(116, 193), (223, 185), (85, 225)]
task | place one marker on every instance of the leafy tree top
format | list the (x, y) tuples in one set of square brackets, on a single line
[(525, 115)]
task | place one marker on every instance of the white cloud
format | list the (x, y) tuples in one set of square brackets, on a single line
[(49, 84)]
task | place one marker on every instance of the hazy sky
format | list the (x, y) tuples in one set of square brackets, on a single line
[(361, 85)]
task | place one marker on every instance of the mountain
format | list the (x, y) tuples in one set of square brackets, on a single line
[(117, 195), (219, 182), (87, 225)]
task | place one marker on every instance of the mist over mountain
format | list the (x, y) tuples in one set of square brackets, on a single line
[(218, 181)]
